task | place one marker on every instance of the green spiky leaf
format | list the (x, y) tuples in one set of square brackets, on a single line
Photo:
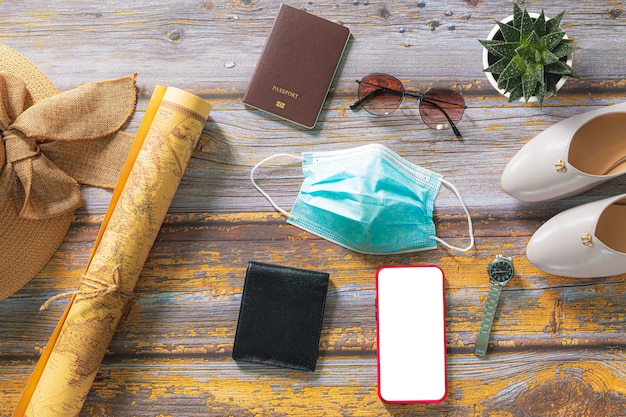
[(539, 25), (550, 41), (552, 25), (527, 26), (548, 58), (551, 81), (559, 67), (498, 66), (510, 33), (540, 93), (515, 69), (517, 15), (529, 83), (500, 49), (534, 73), (563, 49), (515, 90), (532, 41)]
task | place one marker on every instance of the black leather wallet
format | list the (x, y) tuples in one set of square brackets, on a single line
[(280, 319)]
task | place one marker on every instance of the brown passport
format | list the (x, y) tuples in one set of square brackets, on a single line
[(297, 66)]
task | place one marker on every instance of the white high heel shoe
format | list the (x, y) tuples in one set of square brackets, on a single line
[(583, 242), (569, 157)]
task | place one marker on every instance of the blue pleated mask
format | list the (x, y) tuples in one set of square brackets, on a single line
[(367, 199)]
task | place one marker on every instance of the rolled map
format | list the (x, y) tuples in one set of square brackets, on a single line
[(68, 365)]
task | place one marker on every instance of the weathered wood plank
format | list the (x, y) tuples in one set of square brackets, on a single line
[(566, 382)]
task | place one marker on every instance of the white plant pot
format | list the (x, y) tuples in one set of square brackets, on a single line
[(492, 80)]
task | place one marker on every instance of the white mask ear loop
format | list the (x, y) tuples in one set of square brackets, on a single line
[(469, 222), (279, 155)]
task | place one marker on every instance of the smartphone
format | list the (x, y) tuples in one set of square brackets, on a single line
[(411, 335)]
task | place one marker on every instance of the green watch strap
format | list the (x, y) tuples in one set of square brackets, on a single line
[(485, 326)]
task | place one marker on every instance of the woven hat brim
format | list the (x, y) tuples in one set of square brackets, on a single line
[(26, 246)]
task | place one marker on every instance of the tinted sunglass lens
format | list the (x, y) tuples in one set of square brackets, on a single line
[(380, 94), (442, 108)]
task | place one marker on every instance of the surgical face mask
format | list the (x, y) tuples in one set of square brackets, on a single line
[(367, 199)]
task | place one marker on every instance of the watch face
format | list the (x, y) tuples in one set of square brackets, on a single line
[(501, 271)]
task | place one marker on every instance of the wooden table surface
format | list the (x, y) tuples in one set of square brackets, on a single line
[(558, 346)]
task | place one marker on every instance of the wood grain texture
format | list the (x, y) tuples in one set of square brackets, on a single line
[(558, 346)]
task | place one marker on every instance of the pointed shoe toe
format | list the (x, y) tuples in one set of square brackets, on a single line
[(569, 157), (583, 242)]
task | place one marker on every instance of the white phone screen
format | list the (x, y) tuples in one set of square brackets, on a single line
[(411, 336)]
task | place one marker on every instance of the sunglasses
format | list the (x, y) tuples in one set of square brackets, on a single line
[(440, 108)]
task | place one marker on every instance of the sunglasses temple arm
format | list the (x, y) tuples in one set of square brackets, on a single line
[(456, 132), (355, 104), (454, 128), (452, 125), (358, 102)]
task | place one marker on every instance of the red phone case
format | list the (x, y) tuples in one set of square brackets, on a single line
[(410, 324)]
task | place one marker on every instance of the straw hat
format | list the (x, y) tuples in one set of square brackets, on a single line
[(51, 143)]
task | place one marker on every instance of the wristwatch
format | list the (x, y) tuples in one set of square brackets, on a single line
[(500, 272)]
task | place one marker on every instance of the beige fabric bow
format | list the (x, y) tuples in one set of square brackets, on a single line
[(50, 147)]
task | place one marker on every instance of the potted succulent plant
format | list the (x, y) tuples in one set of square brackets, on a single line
[(527, 56)]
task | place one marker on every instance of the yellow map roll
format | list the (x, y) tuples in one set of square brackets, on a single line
[(166, 138)]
